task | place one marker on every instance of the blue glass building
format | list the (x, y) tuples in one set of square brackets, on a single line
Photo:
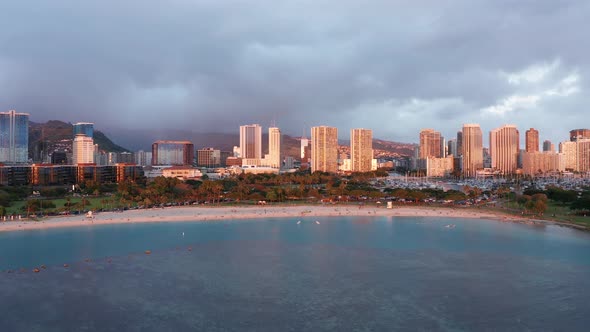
[(84, 128), (14, 137)]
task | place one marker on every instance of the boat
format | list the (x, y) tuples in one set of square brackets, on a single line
[(317, 222), (298, 222)]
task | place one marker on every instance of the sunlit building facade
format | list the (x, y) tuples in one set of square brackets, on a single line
[(251, 141), (532, 140), (430, 144), (273, 159), (324, 149), (83, 150), (472, 149), (361, 150), (504, 146)]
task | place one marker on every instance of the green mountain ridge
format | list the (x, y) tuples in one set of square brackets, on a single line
[(45, 137)]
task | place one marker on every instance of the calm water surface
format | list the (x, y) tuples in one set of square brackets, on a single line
[(345, 274)]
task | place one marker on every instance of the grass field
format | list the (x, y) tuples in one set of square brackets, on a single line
[(94, 204)]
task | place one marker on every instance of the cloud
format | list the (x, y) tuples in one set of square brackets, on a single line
[(534, 85), (213, 65)]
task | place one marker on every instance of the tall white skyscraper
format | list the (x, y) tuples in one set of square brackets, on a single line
[(324, 149), (274, 147), (251, 141), (361, 150), (83, 150), (14, 137)]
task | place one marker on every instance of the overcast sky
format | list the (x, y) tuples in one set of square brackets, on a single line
[(211, 65)]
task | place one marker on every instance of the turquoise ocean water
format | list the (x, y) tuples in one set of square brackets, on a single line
[(343, 274)]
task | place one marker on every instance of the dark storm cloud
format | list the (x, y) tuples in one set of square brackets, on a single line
[(213, 65)]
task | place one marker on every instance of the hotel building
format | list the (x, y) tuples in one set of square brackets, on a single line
[(504, 146), (472, 149), (83, 150), (324, 149), (251, 142)]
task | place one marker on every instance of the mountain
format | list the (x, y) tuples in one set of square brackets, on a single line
[(142, 140), (54, 134)]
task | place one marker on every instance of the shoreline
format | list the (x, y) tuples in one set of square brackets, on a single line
[(200, 214)]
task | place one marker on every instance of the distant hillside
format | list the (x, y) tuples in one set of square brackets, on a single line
[(45, 137), (143, 139)]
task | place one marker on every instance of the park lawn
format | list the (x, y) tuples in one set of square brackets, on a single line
[(559, 212), (95, 203)]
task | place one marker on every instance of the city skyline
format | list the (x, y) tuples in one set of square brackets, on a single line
[(515, 65)]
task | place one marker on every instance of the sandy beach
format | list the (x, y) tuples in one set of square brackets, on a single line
[(202, 214)]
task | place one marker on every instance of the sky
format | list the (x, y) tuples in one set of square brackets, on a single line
[(209, 66)]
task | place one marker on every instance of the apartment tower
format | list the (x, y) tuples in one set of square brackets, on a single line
[(430, 144), (579, 134), (324, 149), (532, 140), (361, 150)]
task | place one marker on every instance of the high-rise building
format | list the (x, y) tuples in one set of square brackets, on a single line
[(548, 146), (569, 150), (84, 128), (14, 137), (304, 147), (459, 144), (452, 147), (208, 157), (83, 150), (583, 155), (251, 141), (143, 158), (361, 150), (541, 163), (532, 140), (173, 153), (324, 149), (472, 149), (579, 133), (274, 147), (504, 146), (439, 167), (430, 144)]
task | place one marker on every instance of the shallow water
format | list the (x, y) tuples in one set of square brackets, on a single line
[(356, 273)]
